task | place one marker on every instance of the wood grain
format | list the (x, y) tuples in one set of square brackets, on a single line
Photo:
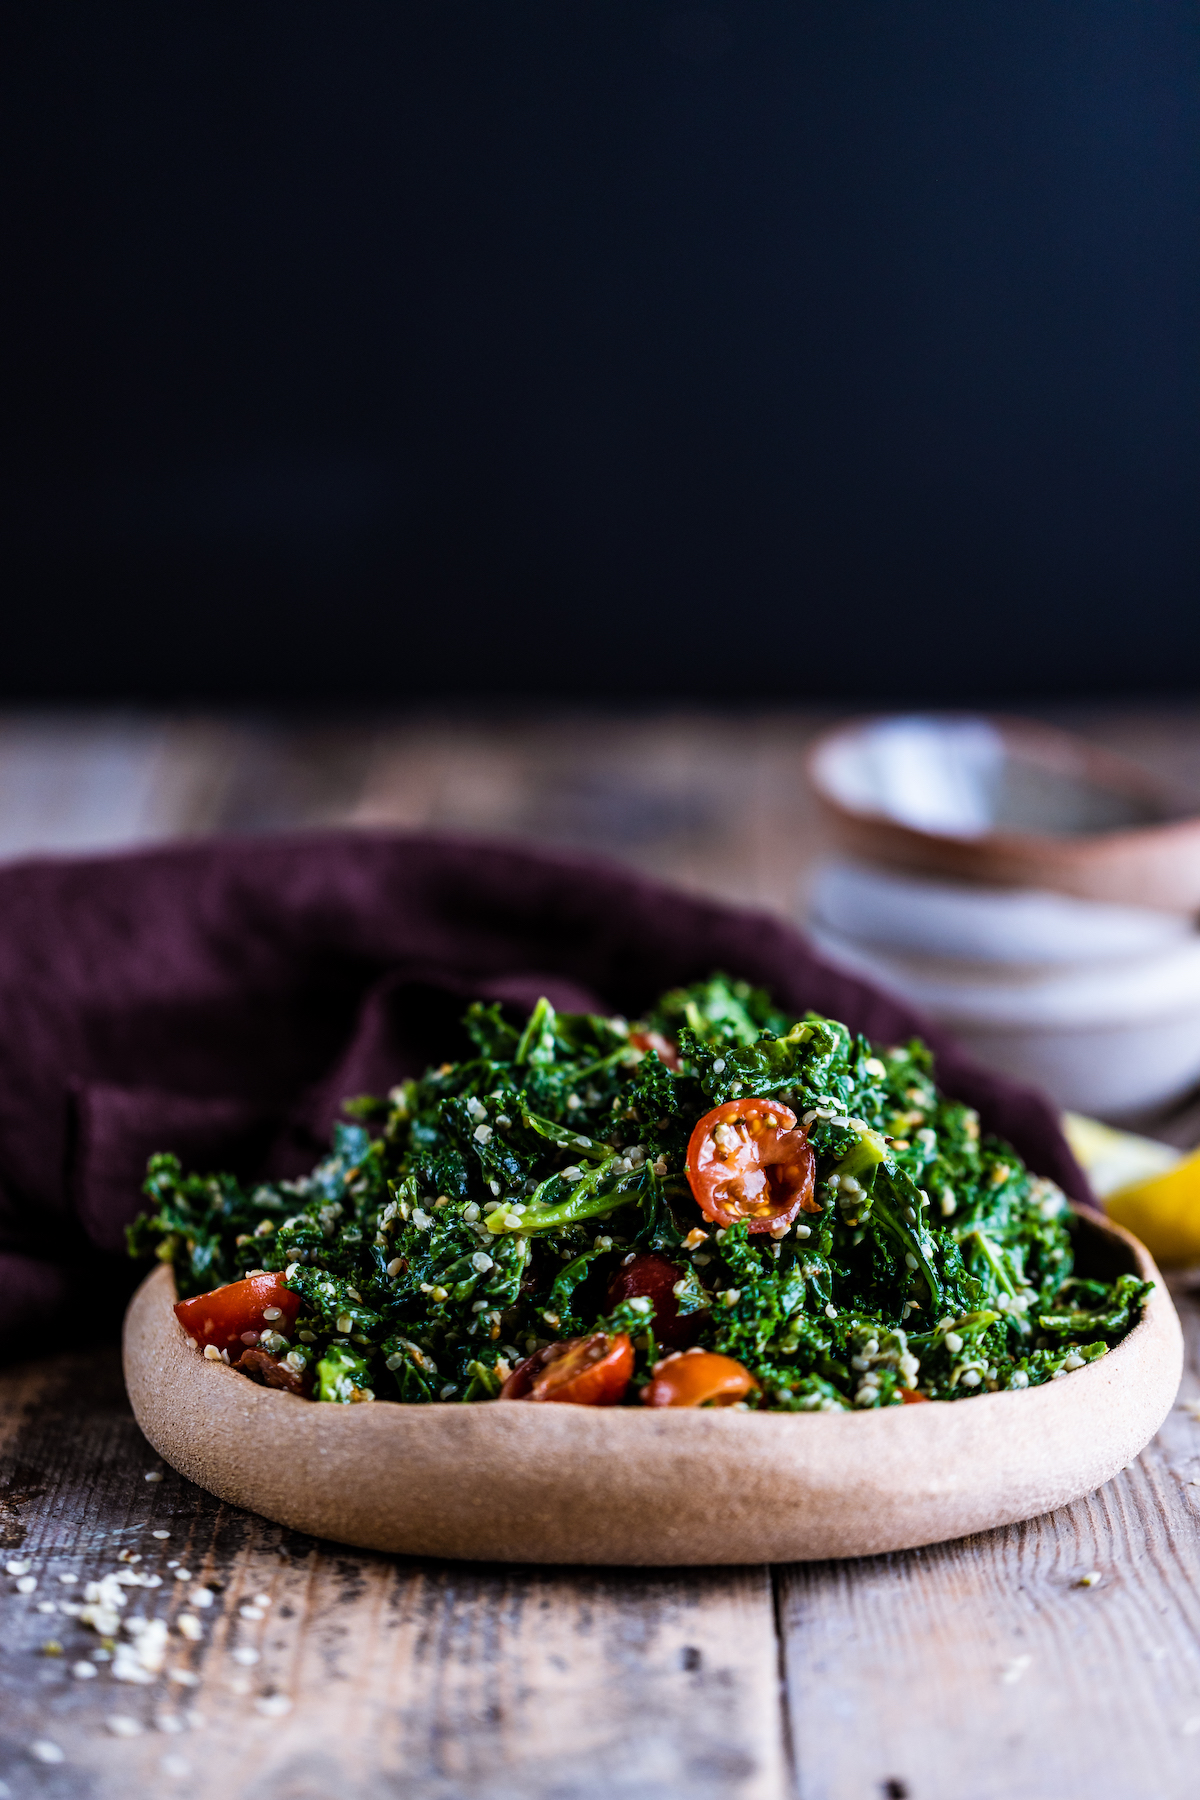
[(428, 1680), (906, 1675), (613, 1485), (711, 798), (983, 1668), (714, 802), (977, 1668)]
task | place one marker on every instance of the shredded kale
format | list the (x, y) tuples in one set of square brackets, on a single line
[(479, 1213)]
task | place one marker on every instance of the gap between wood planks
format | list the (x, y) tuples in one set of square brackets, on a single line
[(978, 1668), (982, 1668), (408, 1678)]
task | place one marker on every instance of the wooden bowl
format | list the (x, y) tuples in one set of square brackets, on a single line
[(567, 1484), (1055, 811)]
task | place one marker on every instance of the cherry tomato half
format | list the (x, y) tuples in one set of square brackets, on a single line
[(698, 1378), (655, 1277), (749, 1160), (663, 1047), (586, 1371), (273, 1372), (237, 1314)]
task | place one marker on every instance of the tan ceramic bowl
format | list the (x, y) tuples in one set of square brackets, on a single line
[(567, 1484), (1069, 816)]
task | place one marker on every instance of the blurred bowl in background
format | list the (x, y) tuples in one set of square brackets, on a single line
[(917, 916), (1028, 891), (1112, 1030), (1008, 804)]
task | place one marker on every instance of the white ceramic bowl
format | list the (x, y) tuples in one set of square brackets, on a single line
[(1097, 1004), (1010, 803), (914, 915)]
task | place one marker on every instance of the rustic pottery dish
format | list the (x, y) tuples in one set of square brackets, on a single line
[(577, 1484), (1008, 803), (1098, 1005), (1030, 892)]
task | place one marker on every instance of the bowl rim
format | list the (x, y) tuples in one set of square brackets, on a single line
[(1045, 744), (631, 1485), (678, 1417)]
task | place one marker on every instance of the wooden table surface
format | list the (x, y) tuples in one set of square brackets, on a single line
[(985, 1669)]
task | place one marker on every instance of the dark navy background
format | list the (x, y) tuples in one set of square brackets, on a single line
[(795, 348)]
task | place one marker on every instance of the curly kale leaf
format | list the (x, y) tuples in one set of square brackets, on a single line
[(490, 1202)]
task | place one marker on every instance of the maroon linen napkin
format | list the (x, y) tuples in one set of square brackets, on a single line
[(221, 1000)]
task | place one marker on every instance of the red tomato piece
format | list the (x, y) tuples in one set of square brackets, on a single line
[(521, 1380), (653, 1276), (237, 1313), (273, 1372), (750, 1160), (698, 1378), (910, 1396), (586, 1371), (663, 1047)]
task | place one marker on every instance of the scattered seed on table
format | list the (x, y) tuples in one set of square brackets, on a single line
[(273, 1706)]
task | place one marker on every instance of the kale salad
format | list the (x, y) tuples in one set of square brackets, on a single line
[(713, 1205)]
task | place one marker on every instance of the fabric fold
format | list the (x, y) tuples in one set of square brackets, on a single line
[(221, 1000)]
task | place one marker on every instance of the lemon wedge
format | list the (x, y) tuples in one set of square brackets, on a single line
[(1150, 1188)]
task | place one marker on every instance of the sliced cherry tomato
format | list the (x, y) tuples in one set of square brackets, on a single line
[(911, 1396), (237, 1314), (663, 1048), (521, 1380), (273, 1372), (653, 1276), (698, 1378), (586, 1371), (750, 1160)]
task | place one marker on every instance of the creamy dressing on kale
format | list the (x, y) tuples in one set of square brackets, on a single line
[(478, 1214)]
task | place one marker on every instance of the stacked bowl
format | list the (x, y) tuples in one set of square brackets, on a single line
[(1033, 893)]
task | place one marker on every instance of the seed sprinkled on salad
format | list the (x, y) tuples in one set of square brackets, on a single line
[(714, 1206)]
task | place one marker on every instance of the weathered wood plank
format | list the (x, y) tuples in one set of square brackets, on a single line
[(712, 799), (714, 802), (454, 1683), (374, 1676), (982, 1667)]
